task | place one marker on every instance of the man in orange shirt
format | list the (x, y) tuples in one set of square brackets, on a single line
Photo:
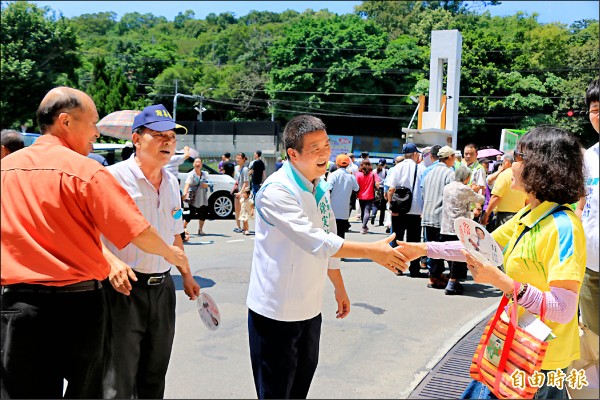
[(55, 204)]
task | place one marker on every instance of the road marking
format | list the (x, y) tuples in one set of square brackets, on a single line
[(236, 240)]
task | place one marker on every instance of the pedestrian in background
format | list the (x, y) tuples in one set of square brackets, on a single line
[(458, 197), (55, 204), (408, 174), (196, 195), (246, 209), (241, 183), (368, 183), (341, 186), (257, 172)]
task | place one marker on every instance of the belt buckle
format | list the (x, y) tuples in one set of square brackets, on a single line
[(155, 280)]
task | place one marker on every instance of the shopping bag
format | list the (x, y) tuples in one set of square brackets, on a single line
[(588, 361), (507, 356)]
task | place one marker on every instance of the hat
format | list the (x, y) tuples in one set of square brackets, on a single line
[(445, 152), (457, 153), (382, 161), (158, 119), (342, 160), (426, 150), (410, 148)]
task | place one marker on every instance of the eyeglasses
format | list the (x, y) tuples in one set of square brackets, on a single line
[(163, 137), (519, 157)]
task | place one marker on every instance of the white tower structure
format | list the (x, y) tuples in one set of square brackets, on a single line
[(439, 124)]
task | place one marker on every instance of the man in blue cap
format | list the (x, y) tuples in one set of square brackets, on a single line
[(408, 175), (142, 296)]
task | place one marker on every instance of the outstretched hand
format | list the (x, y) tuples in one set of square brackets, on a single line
[(383, 254), (411, 251)]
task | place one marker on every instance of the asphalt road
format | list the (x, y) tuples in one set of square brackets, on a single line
[(396, 332)]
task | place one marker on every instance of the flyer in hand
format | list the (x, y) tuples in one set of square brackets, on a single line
[(208, 310), (478, 241)]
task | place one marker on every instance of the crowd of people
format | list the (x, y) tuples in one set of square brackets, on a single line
[(87, 294)]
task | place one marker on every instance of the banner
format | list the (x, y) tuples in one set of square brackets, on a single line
[(339, 145), (509, 138)]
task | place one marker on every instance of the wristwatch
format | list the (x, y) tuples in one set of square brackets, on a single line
[(522, 289)]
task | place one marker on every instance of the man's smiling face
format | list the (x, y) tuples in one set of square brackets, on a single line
[(312, 160)]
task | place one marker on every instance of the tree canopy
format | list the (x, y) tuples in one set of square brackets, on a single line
[(516, 72)]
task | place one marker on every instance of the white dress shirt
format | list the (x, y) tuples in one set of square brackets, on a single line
[(162, 209)]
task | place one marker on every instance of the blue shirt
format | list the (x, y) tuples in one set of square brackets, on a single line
[(341, 184), (428, 170)]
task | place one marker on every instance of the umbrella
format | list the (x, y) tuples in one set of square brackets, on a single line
[(118, 124), (485, 153)]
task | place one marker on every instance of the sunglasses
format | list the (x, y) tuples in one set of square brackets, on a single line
[(519, 157)]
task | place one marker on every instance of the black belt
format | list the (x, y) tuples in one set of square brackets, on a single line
[(84, 286), (150, 279)]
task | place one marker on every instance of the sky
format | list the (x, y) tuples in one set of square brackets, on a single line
[(565, 12)]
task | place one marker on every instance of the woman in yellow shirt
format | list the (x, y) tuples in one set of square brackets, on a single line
[(544, 246)]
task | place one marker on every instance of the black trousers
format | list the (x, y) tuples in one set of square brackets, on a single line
[(458, 270), (436, 266), (49, 337), (411, 224), (142, 327), (284, 355), (342, 226)]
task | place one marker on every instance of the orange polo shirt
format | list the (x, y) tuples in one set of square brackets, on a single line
[(55, 204)]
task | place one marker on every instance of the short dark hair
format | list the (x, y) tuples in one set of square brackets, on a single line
[(553, 165), (227, 155), (592, 93), (258, 153), (473, 145), (48, 111), (434, 151), (297, 127), (12, 140)]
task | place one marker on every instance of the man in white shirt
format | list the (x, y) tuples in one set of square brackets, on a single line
[(408, 174), (142, 310), (176, 160), (296, 248), (587, 208)]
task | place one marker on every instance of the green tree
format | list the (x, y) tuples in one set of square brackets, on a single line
[(38, 50)]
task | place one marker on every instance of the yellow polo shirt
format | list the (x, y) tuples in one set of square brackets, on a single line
[(553, 250), (511, 200)]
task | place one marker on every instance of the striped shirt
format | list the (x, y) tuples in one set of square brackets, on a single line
[(433, 194), (160, 209)]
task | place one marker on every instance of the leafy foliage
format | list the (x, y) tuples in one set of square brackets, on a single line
[(516, 72)]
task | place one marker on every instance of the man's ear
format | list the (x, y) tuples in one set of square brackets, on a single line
[(292, 154)]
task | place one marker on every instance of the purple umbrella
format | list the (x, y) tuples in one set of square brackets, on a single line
[(118, 124), (485, 153)]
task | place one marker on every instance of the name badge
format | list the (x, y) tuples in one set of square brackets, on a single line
[(177, 213)]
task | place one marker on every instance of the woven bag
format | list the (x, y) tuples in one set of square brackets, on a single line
[(505, 348)]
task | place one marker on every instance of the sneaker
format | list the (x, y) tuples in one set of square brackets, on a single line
[(237, 230), (364, 231), (387, 230), (247, 233), (372, 219), (454, 288)]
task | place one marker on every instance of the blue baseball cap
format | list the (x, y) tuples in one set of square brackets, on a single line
[(410, 148), (158, 119)]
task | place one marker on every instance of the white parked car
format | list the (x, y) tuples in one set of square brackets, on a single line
[(220, 199)]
